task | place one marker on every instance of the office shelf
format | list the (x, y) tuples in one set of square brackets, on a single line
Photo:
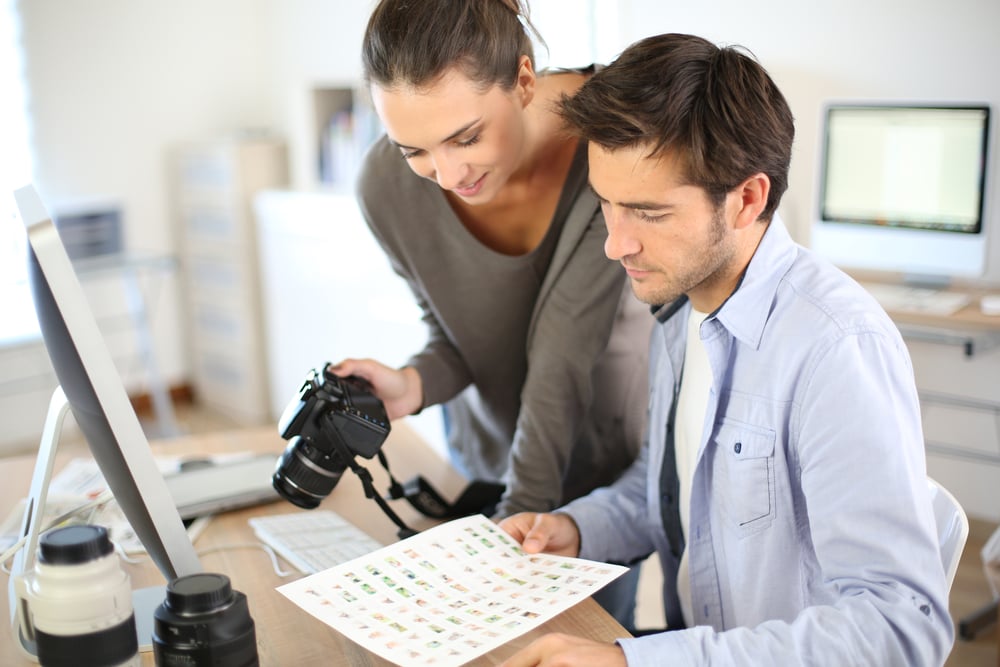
[(214, 183)]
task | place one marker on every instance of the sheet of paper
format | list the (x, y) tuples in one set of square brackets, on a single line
[(447, 595)]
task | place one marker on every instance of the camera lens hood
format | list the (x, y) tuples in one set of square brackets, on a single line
[(203, 621)]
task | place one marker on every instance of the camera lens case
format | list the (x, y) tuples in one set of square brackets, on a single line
[(80, 600), (203, 621)]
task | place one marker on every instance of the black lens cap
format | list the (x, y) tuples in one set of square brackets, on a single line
[(199, 593), (73, 545)]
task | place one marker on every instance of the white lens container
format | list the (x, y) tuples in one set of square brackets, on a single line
[(80, 601)]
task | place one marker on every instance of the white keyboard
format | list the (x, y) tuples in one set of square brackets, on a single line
[(313, 540), (902, 298)]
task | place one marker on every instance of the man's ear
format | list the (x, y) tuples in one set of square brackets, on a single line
[(525, 82), (753, 193)]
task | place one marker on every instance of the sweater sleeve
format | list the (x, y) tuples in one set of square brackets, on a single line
[(385, 197), (571, 332)]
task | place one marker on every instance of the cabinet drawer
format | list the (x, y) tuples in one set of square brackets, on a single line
[(207, 168), (223, 280), (212, 223), (945, 369), (231, 385), (961, 430), (222, 327)]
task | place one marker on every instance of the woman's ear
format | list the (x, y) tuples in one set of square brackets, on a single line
[(524, 85)]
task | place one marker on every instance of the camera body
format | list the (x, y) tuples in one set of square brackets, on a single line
[(330, 420)]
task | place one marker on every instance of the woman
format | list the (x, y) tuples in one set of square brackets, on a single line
[(536, 348)]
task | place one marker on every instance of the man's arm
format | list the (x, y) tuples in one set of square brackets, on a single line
[(857, 438)]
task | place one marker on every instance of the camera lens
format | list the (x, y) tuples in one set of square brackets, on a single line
[(80, 600), (305, 475), (203, 621)]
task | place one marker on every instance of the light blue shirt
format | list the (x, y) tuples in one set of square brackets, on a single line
[(811, 536)]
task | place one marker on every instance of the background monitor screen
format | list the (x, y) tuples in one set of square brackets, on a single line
[(100, 405), (903, 188)]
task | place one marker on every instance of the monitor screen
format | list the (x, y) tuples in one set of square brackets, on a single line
[(100, 405), (902, 187)]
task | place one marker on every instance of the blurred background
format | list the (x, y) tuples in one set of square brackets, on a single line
[(198, 158)]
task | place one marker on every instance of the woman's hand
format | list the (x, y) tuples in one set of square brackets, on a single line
[(400, 390)]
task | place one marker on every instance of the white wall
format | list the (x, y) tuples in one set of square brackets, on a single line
[(312, 43), (888, 49), (111, 85)]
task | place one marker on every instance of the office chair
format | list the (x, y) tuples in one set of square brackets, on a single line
[(952, 528)]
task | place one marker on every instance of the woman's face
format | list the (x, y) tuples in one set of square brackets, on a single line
[(466, 139)]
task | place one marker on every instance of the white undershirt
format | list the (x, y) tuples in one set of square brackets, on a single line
[(692, 402)]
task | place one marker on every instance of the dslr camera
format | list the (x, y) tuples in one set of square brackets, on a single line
[(329, 422)]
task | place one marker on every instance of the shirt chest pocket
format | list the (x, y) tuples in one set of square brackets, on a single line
[(744, 476)]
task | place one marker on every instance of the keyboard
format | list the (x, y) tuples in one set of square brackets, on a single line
[(313, 540), (904, 299)]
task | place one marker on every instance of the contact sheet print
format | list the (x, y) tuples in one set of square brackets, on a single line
[(447, 595)]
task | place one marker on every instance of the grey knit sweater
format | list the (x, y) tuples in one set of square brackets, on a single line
[(538, 359)]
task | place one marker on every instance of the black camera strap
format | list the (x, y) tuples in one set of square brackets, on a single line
[(369, 485), (479, 497)]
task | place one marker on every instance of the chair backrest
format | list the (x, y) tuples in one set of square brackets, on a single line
[(952, 527)]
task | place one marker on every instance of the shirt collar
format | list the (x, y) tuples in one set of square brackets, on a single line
[(746, 310)]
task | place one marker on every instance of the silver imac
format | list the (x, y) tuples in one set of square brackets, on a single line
[(91, 387)]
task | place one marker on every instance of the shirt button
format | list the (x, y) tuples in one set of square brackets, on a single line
[(926, 609), (667, 498), (737, 447)]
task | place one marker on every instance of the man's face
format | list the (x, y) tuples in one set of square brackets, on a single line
[(668, 235)]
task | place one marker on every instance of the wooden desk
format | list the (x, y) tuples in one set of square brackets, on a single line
[(287, 635)]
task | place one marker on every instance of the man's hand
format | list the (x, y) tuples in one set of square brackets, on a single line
[(401, 391), (554, 533), (559, 650)]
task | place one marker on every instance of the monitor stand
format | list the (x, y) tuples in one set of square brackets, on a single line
[(144, 600)]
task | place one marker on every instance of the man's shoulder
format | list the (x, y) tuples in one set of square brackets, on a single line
[(816, 288)]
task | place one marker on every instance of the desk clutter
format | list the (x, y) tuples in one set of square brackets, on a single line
[(75, 606)]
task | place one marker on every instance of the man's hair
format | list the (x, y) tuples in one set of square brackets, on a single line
[(413, 42), (716, 109)]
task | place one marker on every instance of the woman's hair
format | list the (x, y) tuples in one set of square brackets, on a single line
[(715, 108), (413, 42)]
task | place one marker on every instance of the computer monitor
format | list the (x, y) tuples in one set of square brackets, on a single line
[(91, 384), (902, 188)]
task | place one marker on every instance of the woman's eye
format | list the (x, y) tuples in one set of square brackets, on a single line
[(472, 141)]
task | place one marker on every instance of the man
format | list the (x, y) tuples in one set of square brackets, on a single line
[(783, 483)]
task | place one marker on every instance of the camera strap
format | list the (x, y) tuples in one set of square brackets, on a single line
[(369, 486), (479, 497)]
